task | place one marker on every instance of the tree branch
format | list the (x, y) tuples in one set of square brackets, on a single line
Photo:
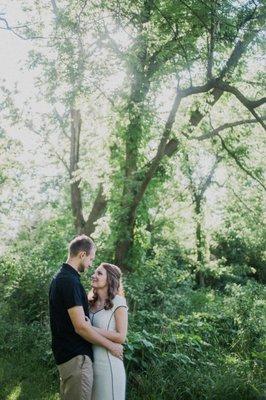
[(112, 43), (215, 131), (55, 8), (249, 104), (60, 119), (153, 165), (185, 3), (237, 53), (246, 102), (7, 27), (204, 185), (76, 195), (242, 202), (238, 162), (210, 46), (197, 89), (97, 211), (189, 173), (102, 93), (81, 10), (30, 126)]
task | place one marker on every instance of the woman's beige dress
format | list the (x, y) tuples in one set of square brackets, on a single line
[(109, 379)]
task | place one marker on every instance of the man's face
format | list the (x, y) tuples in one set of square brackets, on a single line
[(86, 260)]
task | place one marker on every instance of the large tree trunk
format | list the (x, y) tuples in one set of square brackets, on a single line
[(200, 243), (139, 88), (127, 218), (76, 200), (81, 225), (125, 242), (197, 193), (135, 186), (97, 211)]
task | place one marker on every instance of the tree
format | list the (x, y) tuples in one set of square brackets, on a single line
[(200, 48), (198, 187), (63, 83), (163, 44)]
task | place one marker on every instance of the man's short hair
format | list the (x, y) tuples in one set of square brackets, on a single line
[(81, 243)]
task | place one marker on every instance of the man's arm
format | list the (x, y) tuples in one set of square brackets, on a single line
[(119, 335), (86, 331)]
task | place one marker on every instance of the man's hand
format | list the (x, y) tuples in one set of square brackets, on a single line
[(116, 350)]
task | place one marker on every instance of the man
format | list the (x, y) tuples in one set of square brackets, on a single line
[(72, 335)]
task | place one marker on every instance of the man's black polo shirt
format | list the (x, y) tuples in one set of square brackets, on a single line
[(66, 291)]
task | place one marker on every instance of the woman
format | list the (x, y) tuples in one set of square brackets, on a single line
[(108, 315)]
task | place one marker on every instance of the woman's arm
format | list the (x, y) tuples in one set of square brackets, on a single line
[(85, 330), (121, 322)]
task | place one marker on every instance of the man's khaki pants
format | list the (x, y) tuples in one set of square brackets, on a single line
[(76, 378)]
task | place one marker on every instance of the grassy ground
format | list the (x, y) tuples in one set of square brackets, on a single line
[(24, 379)]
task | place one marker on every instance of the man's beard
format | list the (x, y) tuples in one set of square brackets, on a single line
[(81, 268)]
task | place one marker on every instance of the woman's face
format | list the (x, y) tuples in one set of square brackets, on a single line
[(99, 278)]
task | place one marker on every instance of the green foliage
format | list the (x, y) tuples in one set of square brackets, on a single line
[(241, 240), (182, 343), (211, 350), (27, 271)]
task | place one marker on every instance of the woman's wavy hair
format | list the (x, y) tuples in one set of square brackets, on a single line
[(115, 286)]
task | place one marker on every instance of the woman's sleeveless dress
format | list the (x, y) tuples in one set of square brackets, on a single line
[(109, 379)]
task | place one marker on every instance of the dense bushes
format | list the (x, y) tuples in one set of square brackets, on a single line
[(27, 269), (197, 344), (241, 242)]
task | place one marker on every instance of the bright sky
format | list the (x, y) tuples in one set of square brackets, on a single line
[(14, 51)]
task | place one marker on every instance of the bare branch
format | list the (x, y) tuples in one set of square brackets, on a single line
[(55, 8), (103, 93), (60, 158), (112, 43), (7, 27), (81, 10), (30, 126), (228, 125), (191, 90), (204, 185), (249, 104), (237, 53), (60, 119), (242, 202)]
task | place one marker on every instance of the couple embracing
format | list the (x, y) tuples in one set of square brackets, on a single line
[(88, 330)]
